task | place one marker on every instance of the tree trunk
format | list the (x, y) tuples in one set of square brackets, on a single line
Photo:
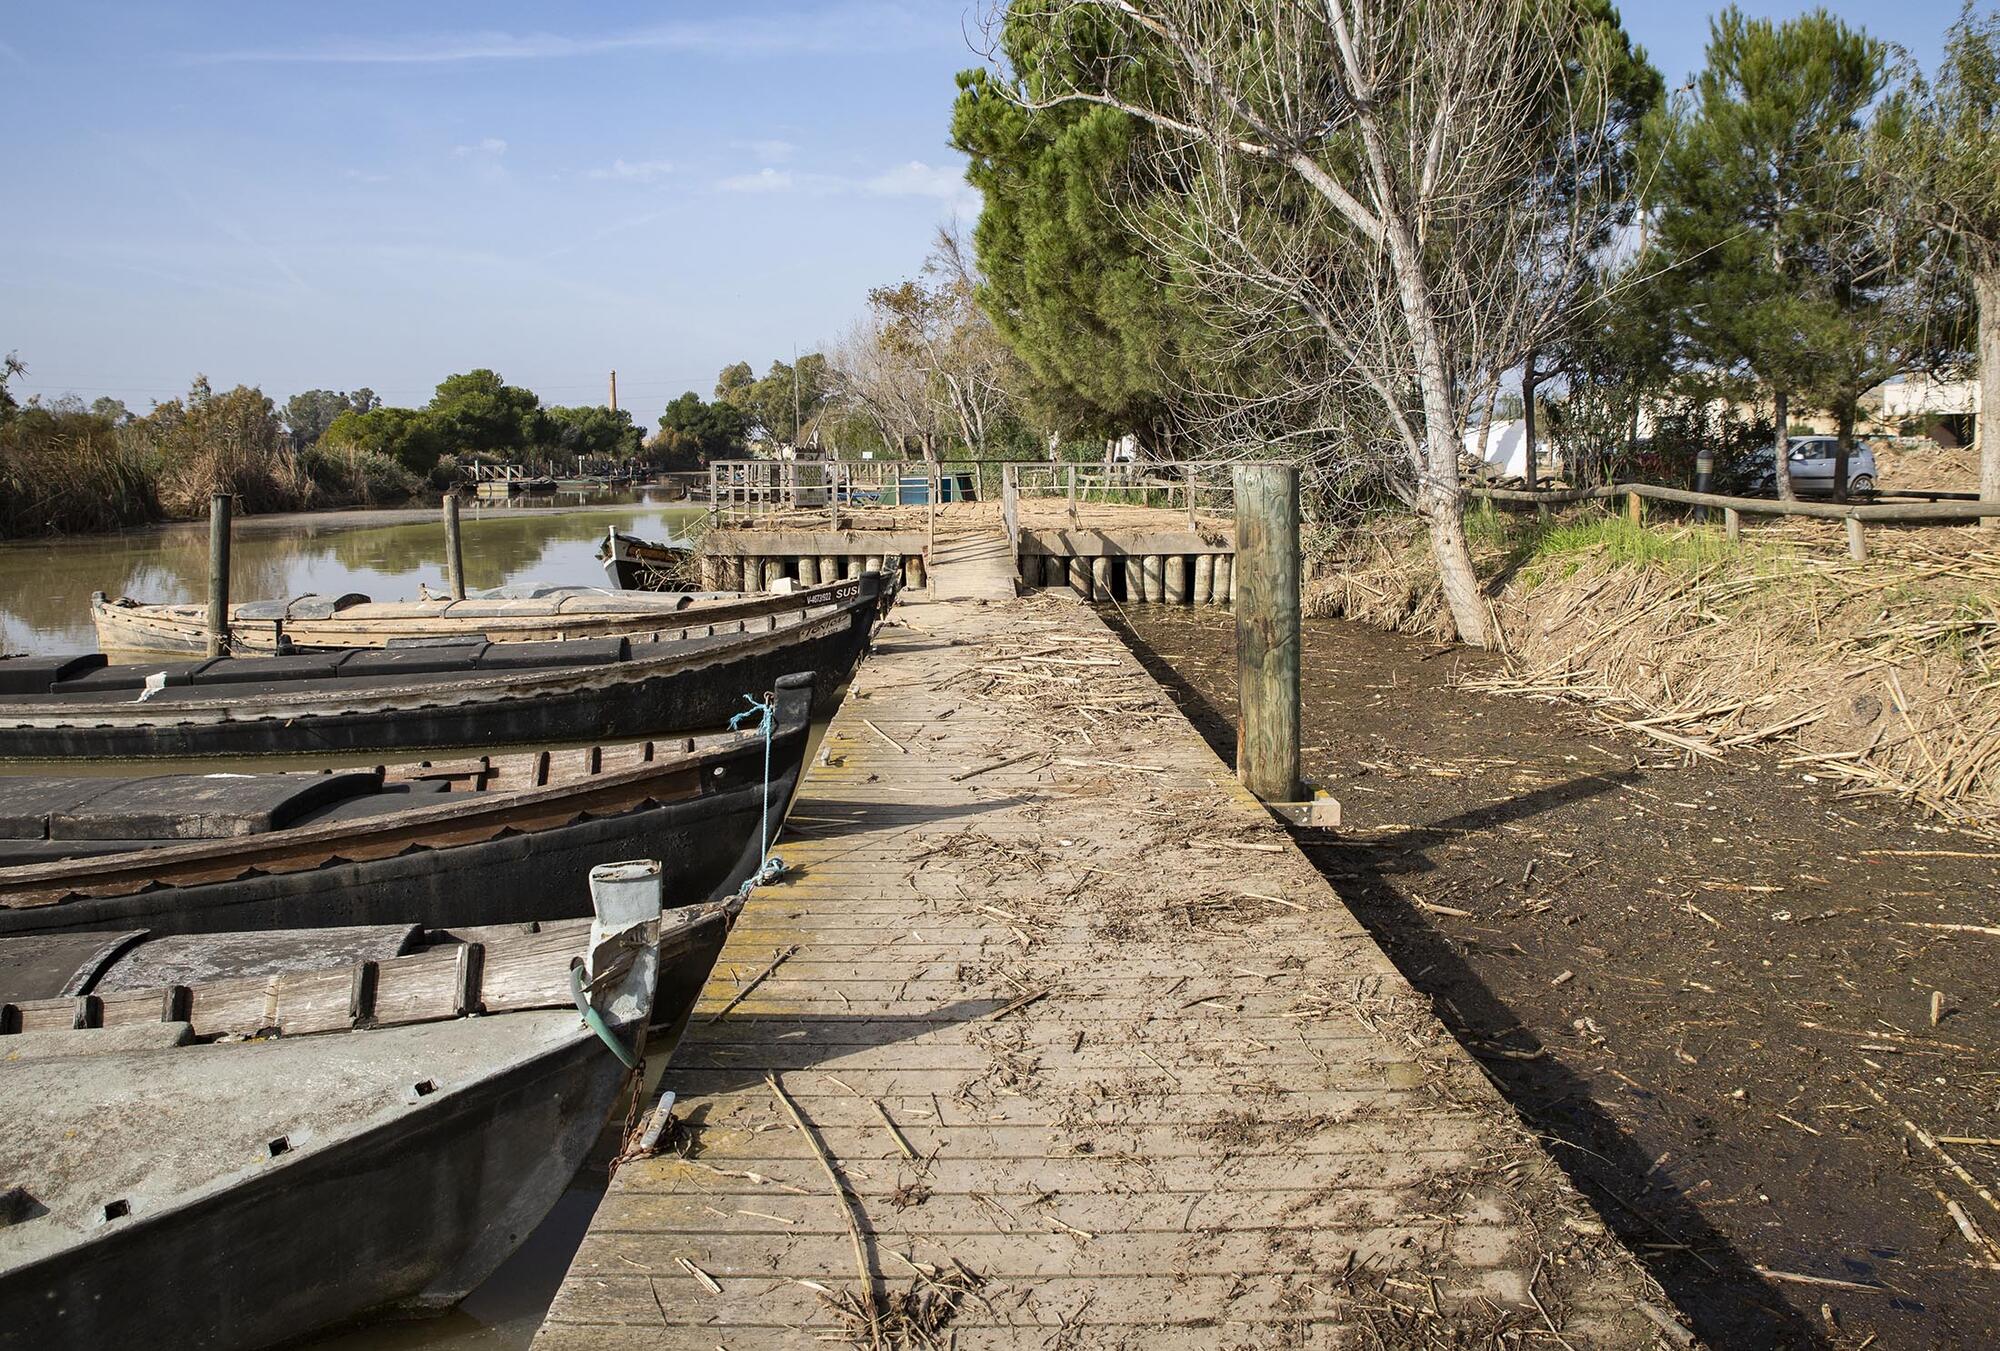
[(1843, 446), (1986, 286), (1781, 446), (1529, 379)]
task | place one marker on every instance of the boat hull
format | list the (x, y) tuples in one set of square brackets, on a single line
[(701, 688)]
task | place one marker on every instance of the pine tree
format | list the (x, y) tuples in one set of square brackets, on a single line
[(1759, 189)]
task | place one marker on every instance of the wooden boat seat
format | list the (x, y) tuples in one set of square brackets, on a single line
[(311, 606), (35, 675), (173, 806)]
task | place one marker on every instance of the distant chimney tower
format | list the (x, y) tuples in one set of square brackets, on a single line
[(614, 391)]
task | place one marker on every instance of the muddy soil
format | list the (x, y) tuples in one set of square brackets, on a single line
[(1709, 988)]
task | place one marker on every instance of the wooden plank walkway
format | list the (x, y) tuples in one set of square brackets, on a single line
[(1101, 1058)]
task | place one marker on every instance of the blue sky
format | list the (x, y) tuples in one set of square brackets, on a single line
[(381, 194)]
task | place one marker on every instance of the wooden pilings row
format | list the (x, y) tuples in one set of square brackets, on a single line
[(1138, 579), (760, 572)]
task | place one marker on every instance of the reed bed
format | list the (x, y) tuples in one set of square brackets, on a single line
[(1882, 676)]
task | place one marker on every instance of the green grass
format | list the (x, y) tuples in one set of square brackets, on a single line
[(1688, 548)]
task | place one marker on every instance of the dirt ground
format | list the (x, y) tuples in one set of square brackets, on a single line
[(1709, 989)]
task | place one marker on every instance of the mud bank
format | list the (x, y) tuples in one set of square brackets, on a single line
[(1708, 988)]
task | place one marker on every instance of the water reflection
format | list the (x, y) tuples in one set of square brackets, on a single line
[(45, 585)]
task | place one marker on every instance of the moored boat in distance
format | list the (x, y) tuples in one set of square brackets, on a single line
[(490, 839), (634, 564), (237, 1163), (316, 623), (429, 694)]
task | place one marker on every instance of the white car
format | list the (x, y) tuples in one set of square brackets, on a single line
[(1811, 459)]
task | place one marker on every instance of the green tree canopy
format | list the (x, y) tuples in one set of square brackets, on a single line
[(478, 412), (1760, 203), (593, 430), (774, 407), (1069, 286), (693, 432), (308, 415), (414, 438)]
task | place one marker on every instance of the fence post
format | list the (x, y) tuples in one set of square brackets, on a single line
[(218, 574), (1267, 629), (1010, 509), (1857, 543), (1072, 496), (1635, 508), (1189, 472), (454, 556), (1732, 524)]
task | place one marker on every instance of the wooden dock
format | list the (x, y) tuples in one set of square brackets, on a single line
[(1099, 1057)]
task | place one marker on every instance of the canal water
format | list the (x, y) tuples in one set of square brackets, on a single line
[(45, 585)]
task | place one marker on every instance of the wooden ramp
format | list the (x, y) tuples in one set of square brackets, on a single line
[(1101, 1059)]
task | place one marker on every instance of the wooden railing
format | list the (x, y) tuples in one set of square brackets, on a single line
[(1196, 488), (1856, 515)]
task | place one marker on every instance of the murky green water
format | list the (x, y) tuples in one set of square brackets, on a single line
[(45, 585)]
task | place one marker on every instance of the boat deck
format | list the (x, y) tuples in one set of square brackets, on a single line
[(1097, 1056)]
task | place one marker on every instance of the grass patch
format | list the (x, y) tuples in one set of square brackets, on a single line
[(1688, 548)]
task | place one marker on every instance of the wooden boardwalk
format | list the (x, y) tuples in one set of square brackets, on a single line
[(1100, 1057)]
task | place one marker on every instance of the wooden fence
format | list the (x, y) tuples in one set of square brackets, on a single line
[(1856, 515)]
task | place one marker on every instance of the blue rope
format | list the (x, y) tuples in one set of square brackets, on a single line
[(769, 867)]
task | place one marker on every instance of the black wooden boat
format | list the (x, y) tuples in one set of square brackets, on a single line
[(426, 694), (489, 840), (232, 1164)]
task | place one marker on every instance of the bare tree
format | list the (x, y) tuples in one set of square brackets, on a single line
[(926, 357), (1377, 205)]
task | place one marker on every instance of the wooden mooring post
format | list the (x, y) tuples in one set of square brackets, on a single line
[(454, 555), (1266, 578), (218, 574)]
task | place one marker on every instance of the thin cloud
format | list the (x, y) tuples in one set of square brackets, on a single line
[(767, 152), (764, 180), (855, 27), (490, 146), (916, 179), (633, 171)]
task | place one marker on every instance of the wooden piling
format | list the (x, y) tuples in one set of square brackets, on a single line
[(829, 569), (1079, 576), (913, 572), (1204, 579), (1156, 579), (1135, 581), (873, 563), (774, 572), (808, 569), (454, 554), (1857, 542), (1177, 579), (1225, 579), (852, 567), (1267, 629), (218, 574), (1100, 578)]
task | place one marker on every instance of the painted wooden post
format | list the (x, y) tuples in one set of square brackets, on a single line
[(1177, 579), (1100, 578), (1857, 543), (1204, 579), (1732, 524), (1267, 629), (454, 555), (1010, 506), (218, 574), (1225, 579)]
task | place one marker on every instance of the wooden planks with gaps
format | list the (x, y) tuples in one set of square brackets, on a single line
[(1094, 1055)]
